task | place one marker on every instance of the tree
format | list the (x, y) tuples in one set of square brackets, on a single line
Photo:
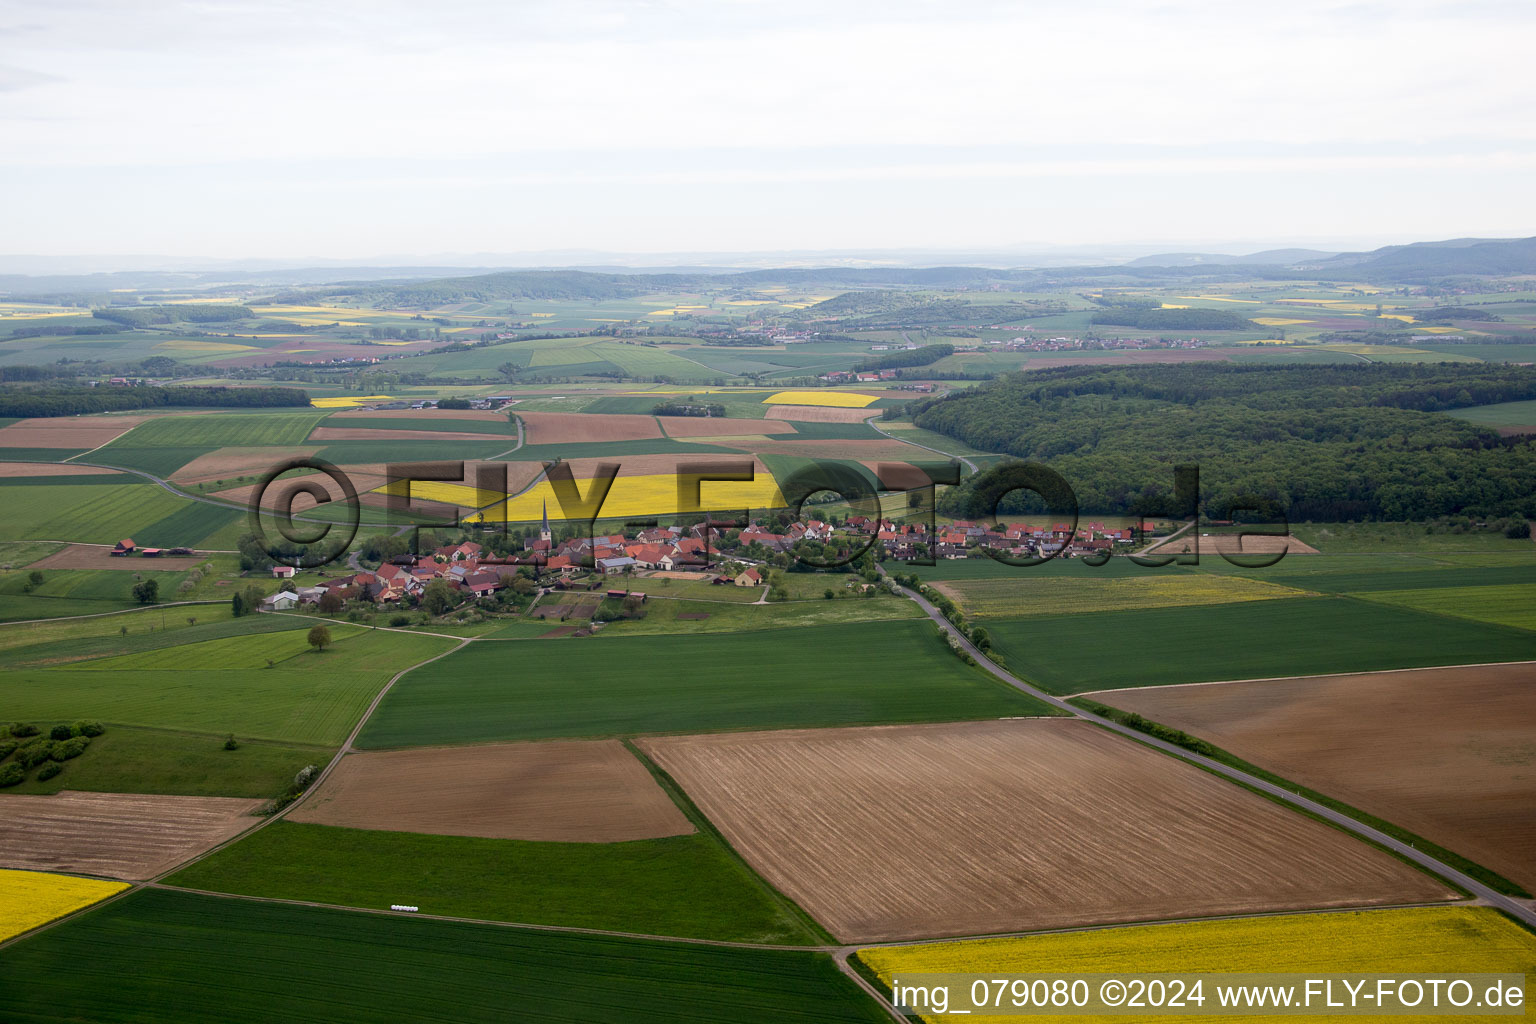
[(236, 606), (438, 597), (147, 592), (35, 577), (330, 603), (318, 637)]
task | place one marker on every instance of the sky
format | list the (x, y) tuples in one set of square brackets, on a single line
[(338, 130)]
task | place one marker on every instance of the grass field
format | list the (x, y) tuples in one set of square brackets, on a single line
[(278, 427), (143, 957), (1044, 595), (66, 592), (1248, 640), (682, 885), (31, 898), (1504, 414), (92, 513), (1510, 605), (671, 616), (1342, 537), (812, 676), (223, 686), (1435, 940)]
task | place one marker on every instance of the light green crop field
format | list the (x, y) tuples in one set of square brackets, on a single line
[(1332, 538), (682, 885), (274, 962), (93, 514), (223, 686), (1245, 640), (66, 592), (223, 429), (1510, 605), (1504, 414), (663, 615), (1059, 595), (847, 674)]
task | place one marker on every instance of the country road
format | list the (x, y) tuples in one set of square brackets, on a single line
[(1511, 906), (968, 463)]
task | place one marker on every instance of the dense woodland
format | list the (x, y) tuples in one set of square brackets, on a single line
[(1174, 319), (75, 401), (906, 357), (191, 313), (1325, 443)]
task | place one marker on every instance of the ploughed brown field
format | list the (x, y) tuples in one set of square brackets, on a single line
[(233, 463), (14, 469), (970, 828), (1447, 753), (100, 556), (1232, 544), (588, 791), (420, 415), (371, 434), (116, 835), (572, 427), (721, 426), (67, 431), (819, 414)]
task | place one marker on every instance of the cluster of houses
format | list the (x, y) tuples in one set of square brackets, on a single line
[(461, 565)]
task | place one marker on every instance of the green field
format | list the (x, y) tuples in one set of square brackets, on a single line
[(223, 686), (1360, 537), (682, 885), (1504, 414), (492, 428), (130, 760), (1249, 640), (166, 956), (1511, 605), (852, 674), (161, 462), (65, 592), (662, 615), (93, 513), (219, 430), (1062, 595)]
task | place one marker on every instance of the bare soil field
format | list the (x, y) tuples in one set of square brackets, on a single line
[(584, 791), (233, 463), (1232, 544), (374, 434), (99, 556), (819, 414), (1447, 753), (711, 426), (15, 469), (572, 427), (432, 415), (871, 450), (67, 431), (661, 465), (116, 835), (969, 828)]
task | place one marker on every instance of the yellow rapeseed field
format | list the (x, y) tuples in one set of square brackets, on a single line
[(346, 402), (838, 399), (31, 898), (1422, 939), (633, 497)]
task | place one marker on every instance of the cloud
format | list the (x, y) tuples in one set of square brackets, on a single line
[(13, 79)]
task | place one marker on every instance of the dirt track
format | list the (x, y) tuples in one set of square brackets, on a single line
[(1447, 753), (566, 791), (911, 831), (117, 835)]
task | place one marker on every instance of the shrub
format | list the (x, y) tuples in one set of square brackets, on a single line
[(89, 727), (230, 743), (48, 771), (61, 732), (68, 749), (23, 729), (399, 620), (33, 754), (11, 774), (7, 747)]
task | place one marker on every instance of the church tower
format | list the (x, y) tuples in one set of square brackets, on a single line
[(544, 534)]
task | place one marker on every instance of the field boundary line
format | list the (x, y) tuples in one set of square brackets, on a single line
[(1312, 675), (1404, 851)]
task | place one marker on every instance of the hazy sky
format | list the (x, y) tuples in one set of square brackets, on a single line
[(323, 129)]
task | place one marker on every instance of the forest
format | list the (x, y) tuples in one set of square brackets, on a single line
[(76, 401), (1333, 443)]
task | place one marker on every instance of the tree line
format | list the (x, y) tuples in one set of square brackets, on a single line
[(910, 357), (76, 401)]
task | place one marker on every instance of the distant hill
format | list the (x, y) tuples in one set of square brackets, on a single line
[(1269, 257), (1422, 261)]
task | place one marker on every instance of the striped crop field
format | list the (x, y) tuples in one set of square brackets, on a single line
[(1422, 939), (835, 399), (32, 898), (1045, 595)]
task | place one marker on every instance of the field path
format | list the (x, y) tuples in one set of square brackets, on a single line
[(870, 422), (1515, 908)]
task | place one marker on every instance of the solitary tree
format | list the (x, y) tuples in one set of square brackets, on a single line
[(319, 636), (147, 592)]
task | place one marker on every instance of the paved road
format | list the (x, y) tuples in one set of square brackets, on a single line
[(1517, 909), (968, 463)]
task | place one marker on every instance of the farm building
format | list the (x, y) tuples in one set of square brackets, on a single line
[(279, 602), (283, 572), (749, 578), (610, 566), (123, 547)]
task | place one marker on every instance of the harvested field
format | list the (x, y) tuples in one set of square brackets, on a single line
[(1447, 753), (870, 450), (115, 835), (1231, 544), (15, 469), (711, 426), (817, 414), (591, 791), (233, 463), (677, 574), (904, 831), (370, 434), (67, 431), (99, 556), (574, 427)]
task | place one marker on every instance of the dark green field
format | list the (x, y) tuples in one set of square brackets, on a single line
[(851, 674), (165, 956), (1251, 640), (683, 885), (76, 591)]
